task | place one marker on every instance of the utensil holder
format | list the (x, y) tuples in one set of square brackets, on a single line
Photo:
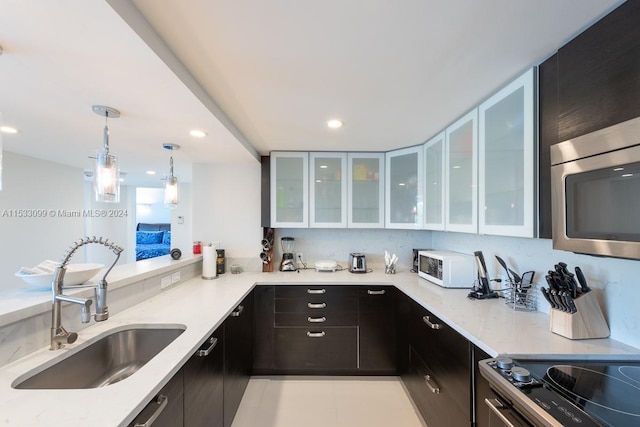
[(521, 298), (586, 323)]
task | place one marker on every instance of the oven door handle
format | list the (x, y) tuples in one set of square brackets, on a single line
[(502, 411)]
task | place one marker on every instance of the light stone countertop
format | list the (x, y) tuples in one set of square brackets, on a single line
[(202, 305)]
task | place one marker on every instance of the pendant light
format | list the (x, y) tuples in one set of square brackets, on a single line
[(106, 174), (171, 182)]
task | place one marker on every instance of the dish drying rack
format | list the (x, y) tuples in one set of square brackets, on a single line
[(521, 295)]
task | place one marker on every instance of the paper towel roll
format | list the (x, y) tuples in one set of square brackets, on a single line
[(209, 259)]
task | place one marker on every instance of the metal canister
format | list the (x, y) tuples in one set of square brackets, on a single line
[(220, 261)]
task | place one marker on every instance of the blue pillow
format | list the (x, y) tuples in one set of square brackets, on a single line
[(149, 237), (166, 238)]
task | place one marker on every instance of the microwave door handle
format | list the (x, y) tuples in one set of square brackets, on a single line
[(505, 413)]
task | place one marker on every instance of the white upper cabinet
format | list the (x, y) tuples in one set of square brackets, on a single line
[(434, 187), (365, 190), (289, 189), (328, 190), (461, 160), (507, 137), (403, 188)]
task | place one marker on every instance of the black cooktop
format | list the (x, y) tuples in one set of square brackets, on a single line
[(607, 391)]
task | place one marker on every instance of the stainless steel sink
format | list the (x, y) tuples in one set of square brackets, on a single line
[(108, 360)]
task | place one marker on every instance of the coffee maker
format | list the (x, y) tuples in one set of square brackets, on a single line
[(288, 262)]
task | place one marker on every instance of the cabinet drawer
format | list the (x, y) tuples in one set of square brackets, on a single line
[(312, 304), (316, 348), (376, 299), (433, 398), (305, 290), (317, 318)]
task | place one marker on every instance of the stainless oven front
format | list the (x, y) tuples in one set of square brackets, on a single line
[(595, 191)]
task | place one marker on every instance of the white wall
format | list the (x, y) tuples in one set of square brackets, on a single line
[(113, 221), (182, 221), (150, 206), (30, 183), (226, 207)]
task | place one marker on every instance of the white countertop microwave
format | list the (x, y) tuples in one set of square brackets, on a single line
[(447, 269)]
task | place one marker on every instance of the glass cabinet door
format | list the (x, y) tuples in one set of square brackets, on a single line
[(365, 190), (506, 160), (434, 183), (289, 189), (328, 190), (461, 207), (403, 185)]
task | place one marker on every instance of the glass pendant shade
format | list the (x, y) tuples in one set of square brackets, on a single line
[(171, 192), (106, 174), (106, 178)]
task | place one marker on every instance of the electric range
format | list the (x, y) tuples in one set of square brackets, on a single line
[(567, 393)]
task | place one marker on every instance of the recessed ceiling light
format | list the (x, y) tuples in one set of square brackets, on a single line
[(151, 172), (334, 123), (8, 129), (198, 133)]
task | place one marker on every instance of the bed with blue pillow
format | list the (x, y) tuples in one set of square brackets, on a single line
[(152, 240)]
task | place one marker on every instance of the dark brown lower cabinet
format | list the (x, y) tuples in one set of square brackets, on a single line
[(167, 408), (203, 384), (482, 391), (435, 366), (238, 356), (325, 330), (377, 330), (309, 349)]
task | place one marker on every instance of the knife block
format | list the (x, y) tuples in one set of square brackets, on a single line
[(587, 322)]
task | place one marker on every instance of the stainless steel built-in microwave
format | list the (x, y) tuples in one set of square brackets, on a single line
[(595, 192)]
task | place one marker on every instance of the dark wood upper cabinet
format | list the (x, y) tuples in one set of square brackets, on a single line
[(599, 74), (548, 134), (591, 83)]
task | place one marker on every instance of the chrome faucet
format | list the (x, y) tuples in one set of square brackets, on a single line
[(59, 335)]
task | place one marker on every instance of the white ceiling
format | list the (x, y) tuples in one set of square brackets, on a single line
[(260, 75)]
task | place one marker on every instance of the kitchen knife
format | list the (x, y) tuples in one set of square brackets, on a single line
[(558, 299), (545, 294), (582, 280), (569, 302), (568, 277)]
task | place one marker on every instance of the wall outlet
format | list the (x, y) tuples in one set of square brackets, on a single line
[(175, 277), (165, 281), (215, 245)]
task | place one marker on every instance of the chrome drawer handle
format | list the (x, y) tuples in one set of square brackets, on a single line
[(162, 402), (205, 353), (238, 311), (429, 323), (316, 291), (498, 408), (370, 292), (320, 305), (316, 319), (434, 389), (315, 334)]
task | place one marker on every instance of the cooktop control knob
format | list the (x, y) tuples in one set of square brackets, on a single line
[(504, 363), (521, 374)]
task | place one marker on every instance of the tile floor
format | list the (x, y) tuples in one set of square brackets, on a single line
[(326, 402)]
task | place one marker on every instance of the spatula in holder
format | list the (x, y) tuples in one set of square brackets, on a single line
[(586, 323)]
